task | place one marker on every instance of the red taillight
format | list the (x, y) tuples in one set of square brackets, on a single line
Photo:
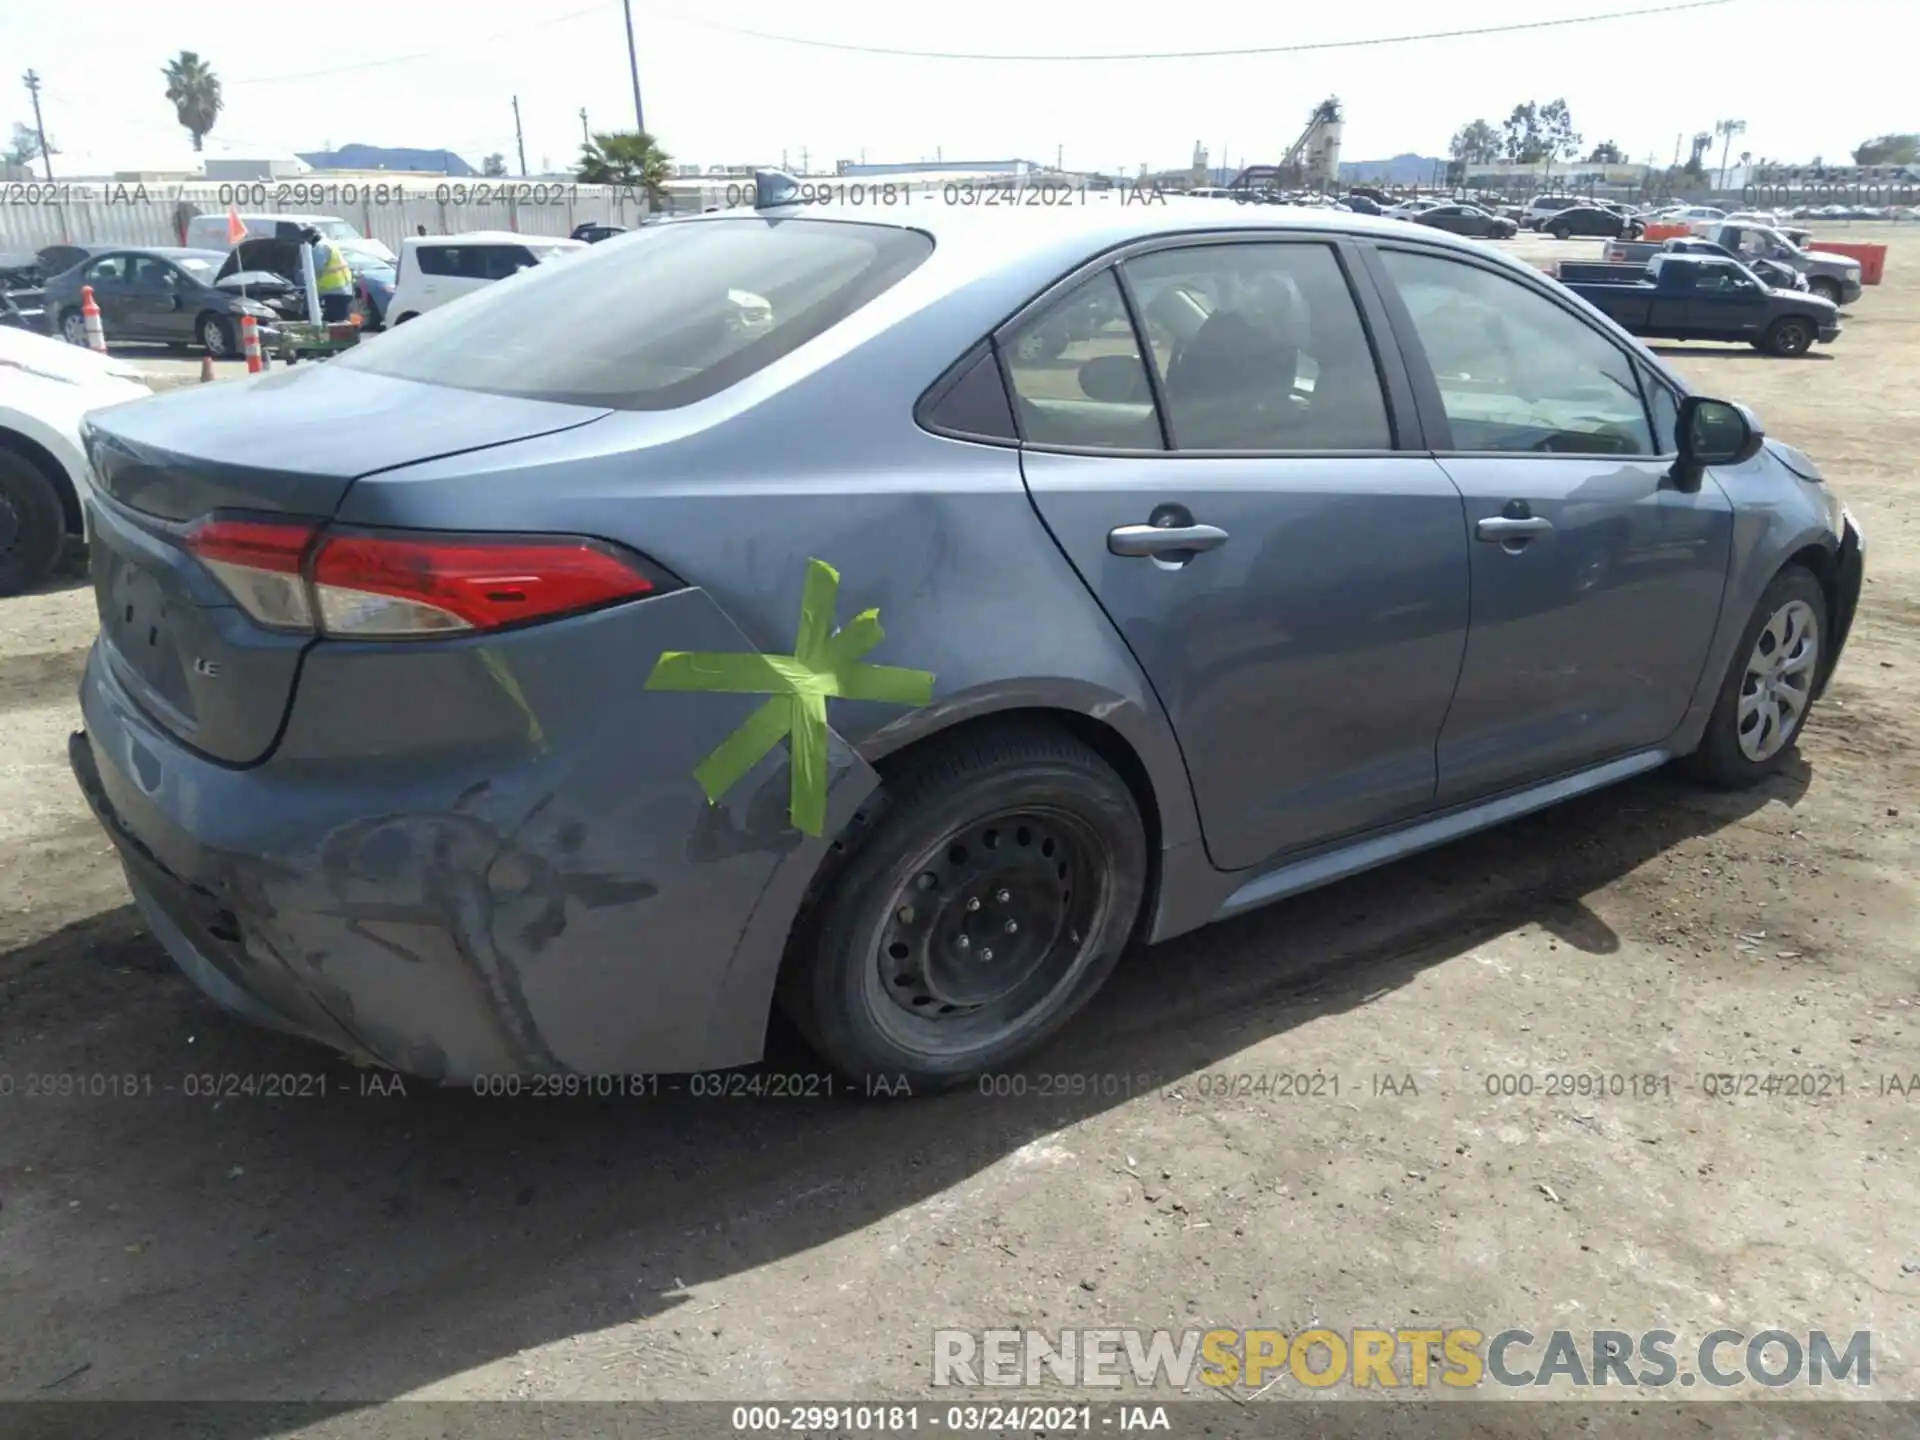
[(407, 585), (399, 585)]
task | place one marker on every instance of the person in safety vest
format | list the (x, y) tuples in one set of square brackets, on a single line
[(334, 277)]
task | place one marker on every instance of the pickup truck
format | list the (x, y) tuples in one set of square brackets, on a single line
[(1638, 252), (1832, 277), (1702, 297)]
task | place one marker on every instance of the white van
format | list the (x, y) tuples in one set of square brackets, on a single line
[(437, 268), (209, 232)]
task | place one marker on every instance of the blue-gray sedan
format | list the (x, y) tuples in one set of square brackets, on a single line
[(893, 613)]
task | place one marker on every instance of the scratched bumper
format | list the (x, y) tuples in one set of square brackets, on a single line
[(473, 859)]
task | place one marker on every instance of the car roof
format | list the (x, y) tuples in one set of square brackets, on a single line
[(490, 237), (1050, 240), (276, 216), (170, 252)]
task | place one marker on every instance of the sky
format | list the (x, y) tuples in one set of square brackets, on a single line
[(442, 74)]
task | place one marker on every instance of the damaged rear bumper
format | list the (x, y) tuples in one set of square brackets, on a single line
[(540, 894)]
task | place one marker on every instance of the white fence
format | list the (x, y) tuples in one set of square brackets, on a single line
[(35, 214)]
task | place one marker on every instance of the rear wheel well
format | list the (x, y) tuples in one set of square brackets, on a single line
[(1096, 735), (41, 458)]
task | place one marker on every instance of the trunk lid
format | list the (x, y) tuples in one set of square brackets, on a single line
[(292, 444)]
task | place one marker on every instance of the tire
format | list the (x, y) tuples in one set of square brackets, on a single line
[(1826, 289), (216, 335), (1722, 760), (402, 319), (1560, 232), (883, 979), (33, 526), (73, 328), (1788, 336)]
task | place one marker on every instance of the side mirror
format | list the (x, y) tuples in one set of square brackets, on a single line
[(1712, 432), (1113, 380)]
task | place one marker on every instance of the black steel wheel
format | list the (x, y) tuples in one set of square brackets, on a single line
[(1789, 336), (987, 904)]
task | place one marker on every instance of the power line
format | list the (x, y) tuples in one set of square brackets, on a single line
[(1201, 54)]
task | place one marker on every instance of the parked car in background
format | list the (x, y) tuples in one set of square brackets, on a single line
[(1837, 277), (1468, 220), (1702, 297), (436, 269), (1590, 220), (162, 294), (1695, 216), (374, 286), (409, 715), (58, 259), (209, 232), (23, 293), (46, 387), (1770, 272), (1364, 204), (1544, 207), (593, 232)]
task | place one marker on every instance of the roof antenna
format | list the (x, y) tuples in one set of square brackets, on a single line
[(773, 188)]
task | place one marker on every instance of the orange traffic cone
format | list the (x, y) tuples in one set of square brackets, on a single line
[(206, 368)]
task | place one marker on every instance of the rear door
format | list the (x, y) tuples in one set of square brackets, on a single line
[(109, 277), (1596, 582), (1247, 497)]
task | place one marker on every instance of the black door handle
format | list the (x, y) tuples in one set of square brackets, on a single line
[(1165, 539)]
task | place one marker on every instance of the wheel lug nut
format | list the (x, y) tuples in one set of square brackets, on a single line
[(986, 954), (906, 914), (962, 942), (973, 904), (1003, 896), (1013, 927)]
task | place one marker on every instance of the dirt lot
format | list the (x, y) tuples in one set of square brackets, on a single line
[(367, 1247)]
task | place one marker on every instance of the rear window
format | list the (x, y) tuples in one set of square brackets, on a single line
[(671, 316)]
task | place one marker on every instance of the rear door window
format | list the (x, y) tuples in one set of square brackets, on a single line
[(438, 259), (657, 322), (1259, 347)]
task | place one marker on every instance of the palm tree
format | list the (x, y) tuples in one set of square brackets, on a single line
[(625, 157), (195, 92)]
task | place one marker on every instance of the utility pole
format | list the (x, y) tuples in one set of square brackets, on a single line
[(519, 140), (32, 82), (1059, 158), (633, 68), (803, 161), (585, 138)]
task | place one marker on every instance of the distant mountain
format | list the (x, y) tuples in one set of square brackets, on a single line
[(1400, 170), (384, 157)]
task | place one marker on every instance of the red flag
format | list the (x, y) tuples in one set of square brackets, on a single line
[(236, 231)]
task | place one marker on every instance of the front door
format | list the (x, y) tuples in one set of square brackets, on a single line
[(1293, 585), (1596, 581), (155, 301)]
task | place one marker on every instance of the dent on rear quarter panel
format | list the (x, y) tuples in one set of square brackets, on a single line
[(938, 535), (535, 881)]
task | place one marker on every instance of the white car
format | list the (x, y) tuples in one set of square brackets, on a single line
[(46, 387), (435, 269)]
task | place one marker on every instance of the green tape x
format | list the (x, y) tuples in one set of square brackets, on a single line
[(823, 664)]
